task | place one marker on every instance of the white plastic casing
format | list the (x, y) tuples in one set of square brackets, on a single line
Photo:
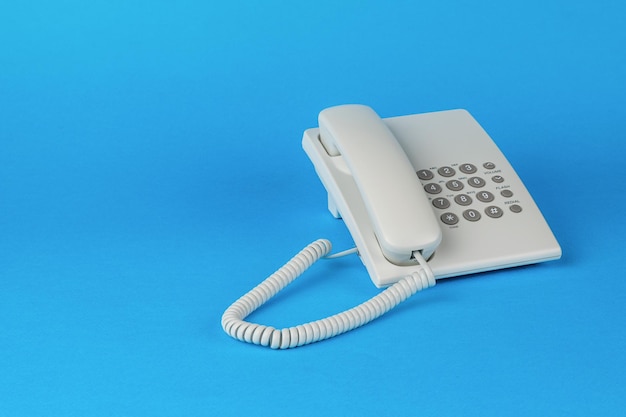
[(431, 141)]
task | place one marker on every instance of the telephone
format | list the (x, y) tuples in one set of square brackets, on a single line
[(425, 197)]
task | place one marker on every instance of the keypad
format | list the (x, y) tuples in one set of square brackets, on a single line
[(468, 192)]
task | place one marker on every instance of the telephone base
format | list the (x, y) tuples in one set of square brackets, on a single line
[(487, 216)]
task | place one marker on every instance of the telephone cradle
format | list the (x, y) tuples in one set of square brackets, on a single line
[(425, 197)]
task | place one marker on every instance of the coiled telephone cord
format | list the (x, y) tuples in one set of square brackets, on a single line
[(234, 324)]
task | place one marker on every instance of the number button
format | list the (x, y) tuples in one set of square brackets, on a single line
[(454, 185), (432, 188), (476, 182), (468, 168), (449, 218), (485, 196), (446, 171), (494, 211), (425, 174), (463, 199), (441, 203), (471, 215)]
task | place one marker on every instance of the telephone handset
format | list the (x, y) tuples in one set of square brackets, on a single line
[(399, 210), (424, 196)]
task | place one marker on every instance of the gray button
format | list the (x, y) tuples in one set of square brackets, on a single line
[(516, 208), (441, 203), (425, 174), (454, 185), (468, 168), (432, 188), (463, 199), (446, 171), (494, 211), (485, 196), (489, 165), (506, 193), (476, 182), (471, 215), (497, 178), (449, 218)]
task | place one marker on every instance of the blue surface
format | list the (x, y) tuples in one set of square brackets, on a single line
[(151, 172)]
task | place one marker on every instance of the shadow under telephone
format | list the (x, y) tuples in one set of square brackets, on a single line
[(424, 196)]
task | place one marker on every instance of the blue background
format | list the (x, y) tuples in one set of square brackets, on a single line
[(151, 172)]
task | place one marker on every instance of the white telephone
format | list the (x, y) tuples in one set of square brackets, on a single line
[(424, 196)]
